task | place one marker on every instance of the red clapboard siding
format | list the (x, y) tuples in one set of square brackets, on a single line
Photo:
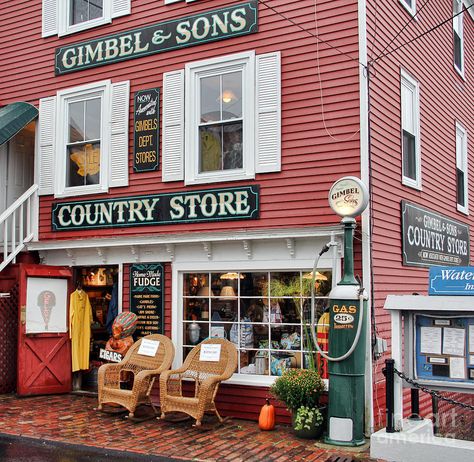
[(311, 148)]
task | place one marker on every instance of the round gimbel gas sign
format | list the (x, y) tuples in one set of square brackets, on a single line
[(348, 196)]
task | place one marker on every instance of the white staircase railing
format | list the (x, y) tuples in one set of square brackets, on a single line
[(19, 225)]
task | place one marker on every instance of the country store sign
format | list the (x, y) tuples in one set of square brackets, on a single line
[(158, 209), (432, 239), (222, 23)]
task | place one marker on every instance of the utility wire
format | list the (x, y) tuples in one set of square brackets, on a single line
[(419, 36), (412, 18), (263, 2)]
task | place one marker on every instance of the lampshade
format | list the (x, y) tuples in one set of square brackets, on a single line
[(231, 276), (205, 291), (228, 292), (319, 276)]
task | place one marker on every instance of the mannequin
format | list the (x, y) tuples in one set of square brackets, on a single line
[(122, 329)]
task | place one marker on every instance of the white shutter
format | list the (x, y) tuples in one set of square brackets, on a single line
[(268, 113), (50, 18), (173, 126), (120, 8), (119, 134), (45, 158)]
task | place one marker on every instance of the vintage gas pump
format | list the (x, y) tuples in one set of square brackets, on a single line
[(348, 197)]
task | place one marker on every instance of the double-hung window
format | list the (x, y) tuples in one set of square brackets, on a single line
[(461, 169), (64, 17), (83, 139), (458, 41), (410, 121), (221, 119)]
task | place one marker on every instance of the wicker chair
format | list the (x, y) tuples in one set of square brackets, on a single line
[(144, 370), (207, 376)]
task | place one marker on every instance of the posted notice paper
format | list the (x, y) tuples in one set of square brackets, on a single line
[(457, 368), (430, 341), (471, 338), (148, 347), (454, 341), (210, 352)]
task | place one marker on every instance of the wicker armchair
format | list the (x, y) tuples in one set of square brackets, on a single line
[(144, 370), (206, 375)]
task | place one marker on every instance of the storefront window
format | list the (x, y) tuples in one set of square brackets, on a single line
[(265, 314)]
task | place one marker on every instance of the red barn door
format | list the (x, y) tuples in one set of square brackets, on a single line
[(44, 349)]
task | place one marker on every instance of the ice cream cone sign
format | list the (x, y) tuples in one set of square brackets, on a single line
[(46, 303)]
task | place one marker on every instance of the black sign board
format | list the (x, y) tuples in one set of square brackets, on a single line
[(432, 239), (209, 26), (146, 298), (145, 130), (158, 209)]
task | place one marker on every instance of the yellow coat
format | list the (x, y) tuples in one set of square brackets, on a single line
[(80, 319)]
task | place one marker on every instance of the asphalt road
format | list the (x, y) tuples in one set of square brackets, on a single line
[(18, 449)]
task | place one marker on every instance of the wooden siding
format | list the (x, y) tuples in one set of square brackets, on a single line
[(314, 152), (444, 99)]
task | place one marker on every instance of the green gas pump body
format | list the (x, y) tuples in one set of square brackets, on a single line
[(346, 377)]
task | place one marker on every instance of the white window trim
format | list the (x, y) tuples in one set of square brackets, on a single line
[(240, 61), (458, 27), (169, 2), (411, 9), (63, 98), (463, 161), (63, 19), (177, 302), (414, 87)]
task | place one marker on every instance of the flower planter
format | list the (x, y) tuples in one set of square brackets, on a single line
[(315, 430)]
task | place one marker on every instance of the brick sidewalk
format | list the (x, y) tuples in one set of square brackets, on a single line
[(72, 419)]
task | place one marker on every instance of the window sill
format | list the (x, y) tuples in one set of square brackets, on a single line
[(462, 209), (84, 26), (411, 184), (257, 381), (219, 178), (80, 192)]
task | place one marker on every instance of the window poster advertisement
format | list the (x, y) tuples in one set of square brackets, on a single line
[(46, 305), (146, 298)]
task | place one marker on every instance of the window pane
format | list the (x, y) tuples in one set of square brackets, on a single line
[(232, 145), (232, 95), (83, 165), (76, 122), (210, 99), (409, 155), (85, 10), (93, 119), (196, 284), (460, 187), (457, 51), (253, 284), (210, 148)]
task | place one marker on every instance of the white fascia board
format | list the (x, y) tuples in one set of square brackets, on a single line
[(189, 238), (447, 303)]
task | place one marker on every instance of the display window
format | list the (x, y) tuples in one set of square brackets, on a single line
[(266, 315)]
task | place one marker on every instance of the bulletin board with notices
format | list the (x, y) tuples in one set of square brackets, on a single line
[(444, 348)]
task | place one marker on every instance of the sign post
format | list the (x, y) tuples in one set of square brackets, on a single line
[(348, 197)]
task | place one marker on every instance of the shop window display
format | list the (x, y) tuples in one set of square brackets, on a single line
[(265, 314)]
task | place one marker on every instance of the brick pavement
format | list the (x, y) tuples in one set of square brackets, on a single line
[(72, 419)]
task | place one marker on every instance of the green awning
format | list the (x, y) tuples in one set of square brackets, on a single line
[(14, 117)]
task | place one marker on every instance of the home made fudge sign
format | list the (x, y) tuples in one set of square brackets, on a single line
[(158, 209), (209, 26), (145, 130), (146, 298)]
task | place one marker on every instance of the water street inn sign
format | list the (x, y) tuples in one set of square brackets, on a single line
[(222, 23), (158, 209), (432, 239)]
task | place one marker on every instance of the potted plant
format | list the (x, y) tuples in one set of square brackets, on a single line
[(300, 390)]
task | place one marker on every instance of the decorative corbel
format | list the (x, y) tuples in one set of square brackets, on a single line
[(72, 256), (208, 249), (290, 244), (248, 248), (170, 249)]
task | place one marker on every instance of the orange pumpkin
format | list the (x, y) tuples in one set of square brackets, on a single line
[(266, 419)]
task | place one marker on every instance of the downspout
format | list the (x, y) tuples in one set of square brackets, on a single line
[(366, 216)]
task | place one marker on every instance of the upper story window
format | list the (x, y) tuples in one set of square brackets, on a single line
[(458, 41), (461, 169), (410, 5), (62, 17), (410, 120), (231, 108), (83, 140)]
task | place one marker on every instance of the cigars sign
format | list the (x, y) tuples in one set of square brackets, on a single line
[(209, 26), (158, 209), (432, 239)]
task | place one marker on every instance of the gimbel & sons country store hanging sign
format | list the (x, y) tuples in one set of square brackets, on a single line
[(158, 209), (209, 26)]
